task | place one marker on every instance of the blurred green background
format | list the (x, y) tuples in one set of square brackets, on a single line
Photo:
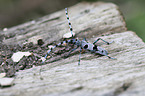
[(15, 12)]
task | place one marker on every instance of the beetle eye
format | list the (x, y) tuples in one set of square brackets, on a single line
[(95, 48)]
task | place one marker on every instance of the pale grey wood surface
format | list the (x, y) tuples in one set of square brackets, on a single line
[(88, 20), (96, 76)]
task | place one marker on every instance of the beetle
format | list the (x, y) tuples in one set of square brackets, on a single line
[(82, 44)]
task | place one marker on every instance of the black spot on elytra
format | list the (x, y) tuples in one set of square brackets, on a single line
[(86, 46), (71, 41)]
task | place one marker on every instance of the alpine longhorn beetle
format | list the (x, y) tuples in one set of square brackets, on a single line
[(82, 44)]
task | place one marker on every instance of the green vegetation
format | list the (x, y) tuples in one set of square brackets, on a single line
[(134, 14), (137, 24)]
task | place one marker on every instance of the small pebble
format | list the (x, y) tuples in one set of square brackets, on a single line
[(5, 29), (6, 81), (50, 46), (33, 22), (2, 75), (18, 55), (43, 59), (68, 35), (34, 39)]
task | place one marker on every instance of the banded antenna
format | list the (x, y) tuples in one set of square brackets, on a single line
[(66, 11)]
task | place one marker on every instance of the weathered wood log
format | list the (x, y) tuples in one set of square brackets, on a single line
[(96, 76), (88, 20)]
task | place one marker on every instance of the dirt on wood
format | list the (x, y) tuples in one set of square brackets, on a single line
[(39, 50)]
